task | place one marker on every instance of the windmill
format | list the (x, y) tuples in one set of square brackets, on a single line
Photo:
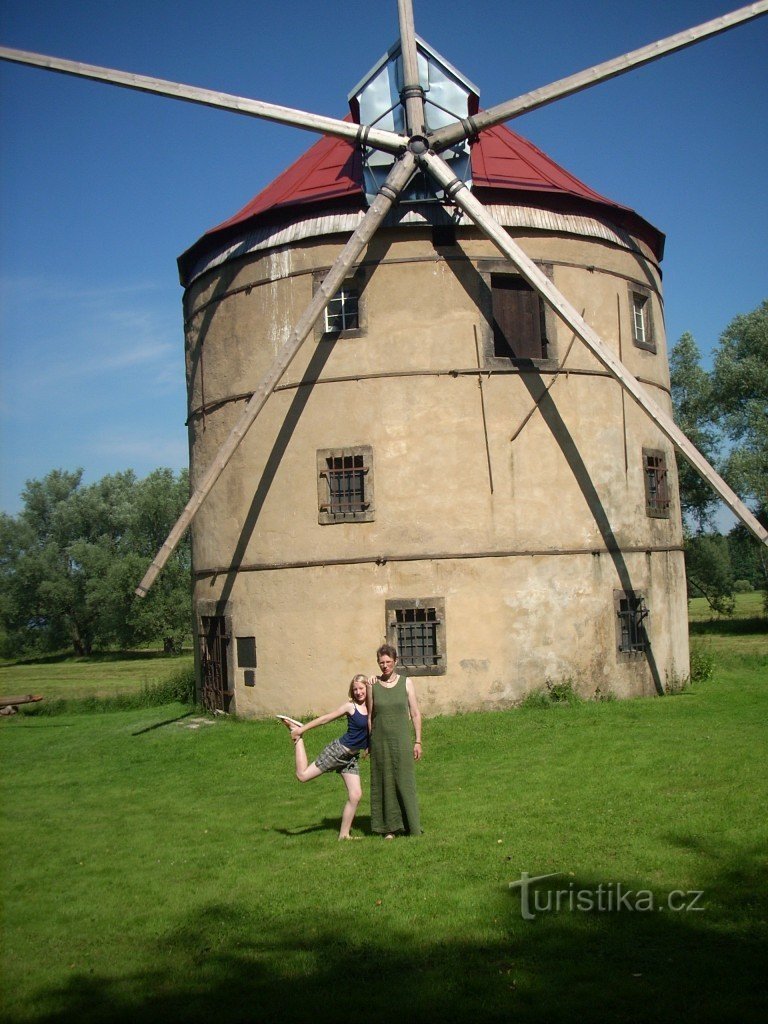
[(417, 150)]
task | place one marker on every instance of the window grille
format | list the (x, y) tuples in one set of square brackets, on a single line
[(656, 484), (345, 485), (632, 616), (417, 629), (342, 312)]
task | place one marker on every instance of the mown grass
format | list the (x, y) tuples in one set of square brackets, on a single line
[(157, 871), (110, 674)]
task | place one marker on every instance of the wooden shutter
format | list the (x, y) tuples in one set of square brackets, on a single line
[(517, 319)]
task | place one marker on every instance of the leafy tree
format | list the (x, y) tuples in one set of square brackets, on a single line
[(740, 402), (70, 560), (692, 403), (749, 560), (709, 572)]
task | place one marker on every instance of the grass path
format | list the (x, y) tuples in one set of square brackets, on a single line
[(157, 871)]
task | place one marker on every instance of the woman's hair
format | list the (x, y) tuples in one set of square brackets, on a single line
[(359, 678), (389, 650)]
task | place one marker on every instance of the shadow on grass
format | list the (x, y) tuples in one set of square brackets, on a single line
[(166, 721), (230, 962), (362, 824), (728, 627), (95, 658)]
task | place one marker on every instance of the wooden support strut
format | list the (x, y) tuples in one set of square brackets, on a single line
[(389, 142), (396, 181), (457, 192), (412, 95), (448, 136)]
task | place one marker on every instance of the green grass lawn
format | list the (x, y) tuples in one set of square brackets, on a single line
[(100, 675), (154, 871)]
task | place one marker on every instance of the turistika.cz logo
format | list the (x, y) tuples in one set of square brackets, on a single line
[(607, 897)]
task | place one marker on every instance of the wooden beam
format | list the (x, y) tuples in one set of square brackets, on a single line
[(396, 181), (457, 192), (453, 133), (412, 94), (387, 141)]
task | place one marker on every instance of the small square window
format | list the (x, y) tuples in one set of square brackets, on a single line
[(345, 316), (342, 312), (631, 622), (656, 484), (640, 307), (417, 629), (246, 651), (345, 485)]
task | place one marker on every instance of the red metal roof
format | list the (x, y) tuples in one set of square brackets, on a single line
[(505, 167)]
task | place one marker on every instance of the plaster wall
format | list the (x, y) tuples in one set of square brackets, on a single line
[(553, 503)]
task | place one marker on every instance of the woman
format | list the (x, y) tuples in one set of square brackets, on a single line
[(391, 704), (342, 755)]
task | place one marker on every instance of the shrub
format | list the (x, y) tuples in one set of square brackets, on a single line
[(702, 663), (553, 693), (742, 587)]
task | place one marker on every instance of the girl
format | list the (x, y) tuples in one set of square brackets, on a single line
[(342, 755)]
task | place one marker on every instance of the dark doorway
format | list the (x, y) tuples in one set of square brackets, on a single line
[(214, 643)]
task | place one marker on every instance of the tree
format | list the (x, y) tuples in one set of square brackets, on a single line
[(740, 402), (692, 403), (708, 571), (70, 560)]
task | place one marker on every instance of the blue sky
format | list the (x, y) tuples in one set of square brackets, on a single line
[(101, 189)]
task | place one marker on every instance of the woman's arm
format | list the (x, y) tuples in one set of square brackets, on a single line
[(369, 702), (345, 709), (413, 707)]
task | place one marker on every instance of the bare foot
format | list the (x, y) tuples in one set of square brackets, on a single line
[(289, 723)]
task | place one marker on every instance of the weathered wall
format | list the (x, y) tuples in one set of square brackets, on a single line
[(564, 527)]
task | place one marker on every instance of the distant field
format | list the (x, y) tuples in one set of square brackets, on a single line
[(748, 606), (101, 675)]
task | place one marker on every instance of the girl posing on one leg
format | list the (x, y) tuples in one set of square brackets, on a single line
[(342, 755)]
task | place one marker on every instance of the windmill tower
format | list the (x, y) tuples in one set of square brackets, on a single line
[(472, 454)]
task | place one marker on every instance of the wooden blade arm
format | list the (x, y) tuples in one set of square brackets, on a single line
[(362, 134), (453, 133), (396, 181), (458, 192), (412, 95)]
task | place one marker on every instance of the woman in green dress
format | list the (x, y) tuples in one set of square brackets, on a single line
[(392, 706)]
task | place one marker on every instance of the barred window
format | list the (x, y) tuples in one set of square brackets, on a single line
[(632, 619), (342, 312), (417, 629), (656, 484), (345, 485)]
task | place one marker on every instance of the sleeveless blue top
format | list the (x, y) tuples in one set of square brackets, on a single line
[(356, 736)]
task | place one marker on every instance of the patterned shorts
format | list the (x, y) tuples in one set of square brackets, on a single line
[(338, 758)]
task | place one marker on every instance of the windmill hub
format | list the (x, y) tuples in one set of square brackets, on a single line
[(418, 145)]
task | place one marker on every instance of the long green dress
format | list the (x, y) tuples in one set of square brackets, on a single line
[(394, 804)]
